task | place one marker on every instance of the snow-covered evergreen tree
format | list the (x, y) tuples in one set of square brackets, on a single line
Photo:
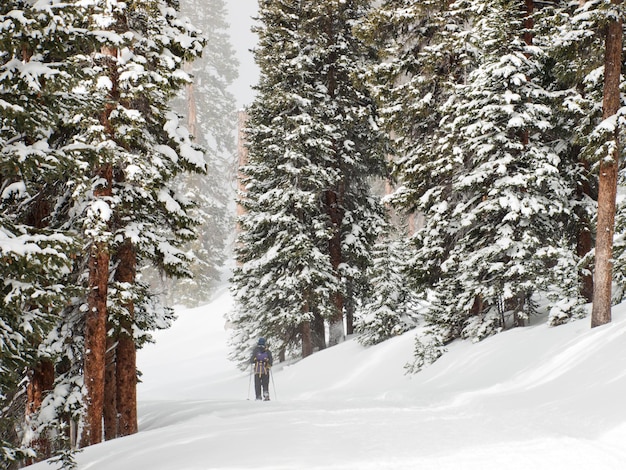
[(478, 160), (392, 307), (35, 95), (125, 203), (313, 143), (509, 204), (570, 35), (425, 54)]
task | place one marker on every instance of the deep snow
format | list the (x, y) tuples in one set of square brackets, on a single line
[(530, 398)]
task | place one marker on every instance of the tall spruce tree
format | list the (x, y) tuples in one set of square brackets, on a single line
[(138, 147), (313, 142), (90, 150), (571, 36), (35, 95), (576, 41), (509, 200), (425, 54)]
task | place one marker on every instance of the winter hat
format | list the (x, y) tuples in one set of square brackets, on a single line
[(261, 342)]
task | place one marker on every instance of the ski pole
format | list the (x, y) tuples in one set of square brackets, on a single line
[(273, 385), (250, 380)]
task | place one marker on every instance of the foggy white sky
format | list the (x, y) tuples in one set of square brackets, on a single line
[(240, 19)]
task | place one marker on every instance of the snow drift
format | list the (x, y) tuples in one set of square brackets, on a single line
[(535, 397)]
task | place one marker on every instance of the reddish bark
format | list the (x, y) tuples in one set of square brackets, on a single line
[(110, 390), (528, 21), (607, 180), (95, 344), (126, 354), (41, 381), (95, 327)]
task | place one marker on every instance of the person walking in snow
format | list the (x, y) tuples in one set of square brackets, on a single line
[(262, 362)]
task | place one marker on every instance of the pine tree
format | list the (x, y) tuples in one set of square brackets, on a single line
[(511, 202), (36, 258), (477, 160), (578, 48), (141, 148), (313, 143), (425, 54), (572, 39), (392, 307)]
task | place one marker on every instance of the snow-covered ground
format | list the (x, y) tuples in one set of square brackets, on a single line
[(533, 398)]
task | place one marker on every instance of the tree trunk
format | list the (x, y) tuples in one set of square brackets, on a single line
[(334, 197), (126, 354), (333, 206), (350, 309), (528, 21), (110, 390), (99, 259), (584, 243), (192, 110), (607, 189), (41, 377), (95, 343), (318, 331), (307, 342), (41, 381)]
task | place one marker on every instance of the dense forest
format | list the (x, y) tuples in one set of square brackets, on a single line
[(492, 125), (496, 124)]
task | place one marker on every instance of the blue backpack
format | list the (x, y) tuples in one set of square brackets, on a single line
[(261, 362)]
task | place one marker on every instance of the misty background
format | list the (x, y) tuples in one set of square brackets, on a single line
[(240, 14), (222, 86)]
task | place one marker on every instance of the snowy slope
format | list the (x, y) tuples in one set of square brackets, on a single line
[(534, 398)]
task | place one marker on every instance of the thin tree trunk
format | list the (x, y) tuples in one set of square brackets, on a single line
[(528, 21), (41, 377), (126, 354), (99, 259), (584, 242), (607, 189), (307, 341), (518, 321), (349, 308), (192, 109), (318, 331), (333, 206), (334, 200), (306, 332)]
